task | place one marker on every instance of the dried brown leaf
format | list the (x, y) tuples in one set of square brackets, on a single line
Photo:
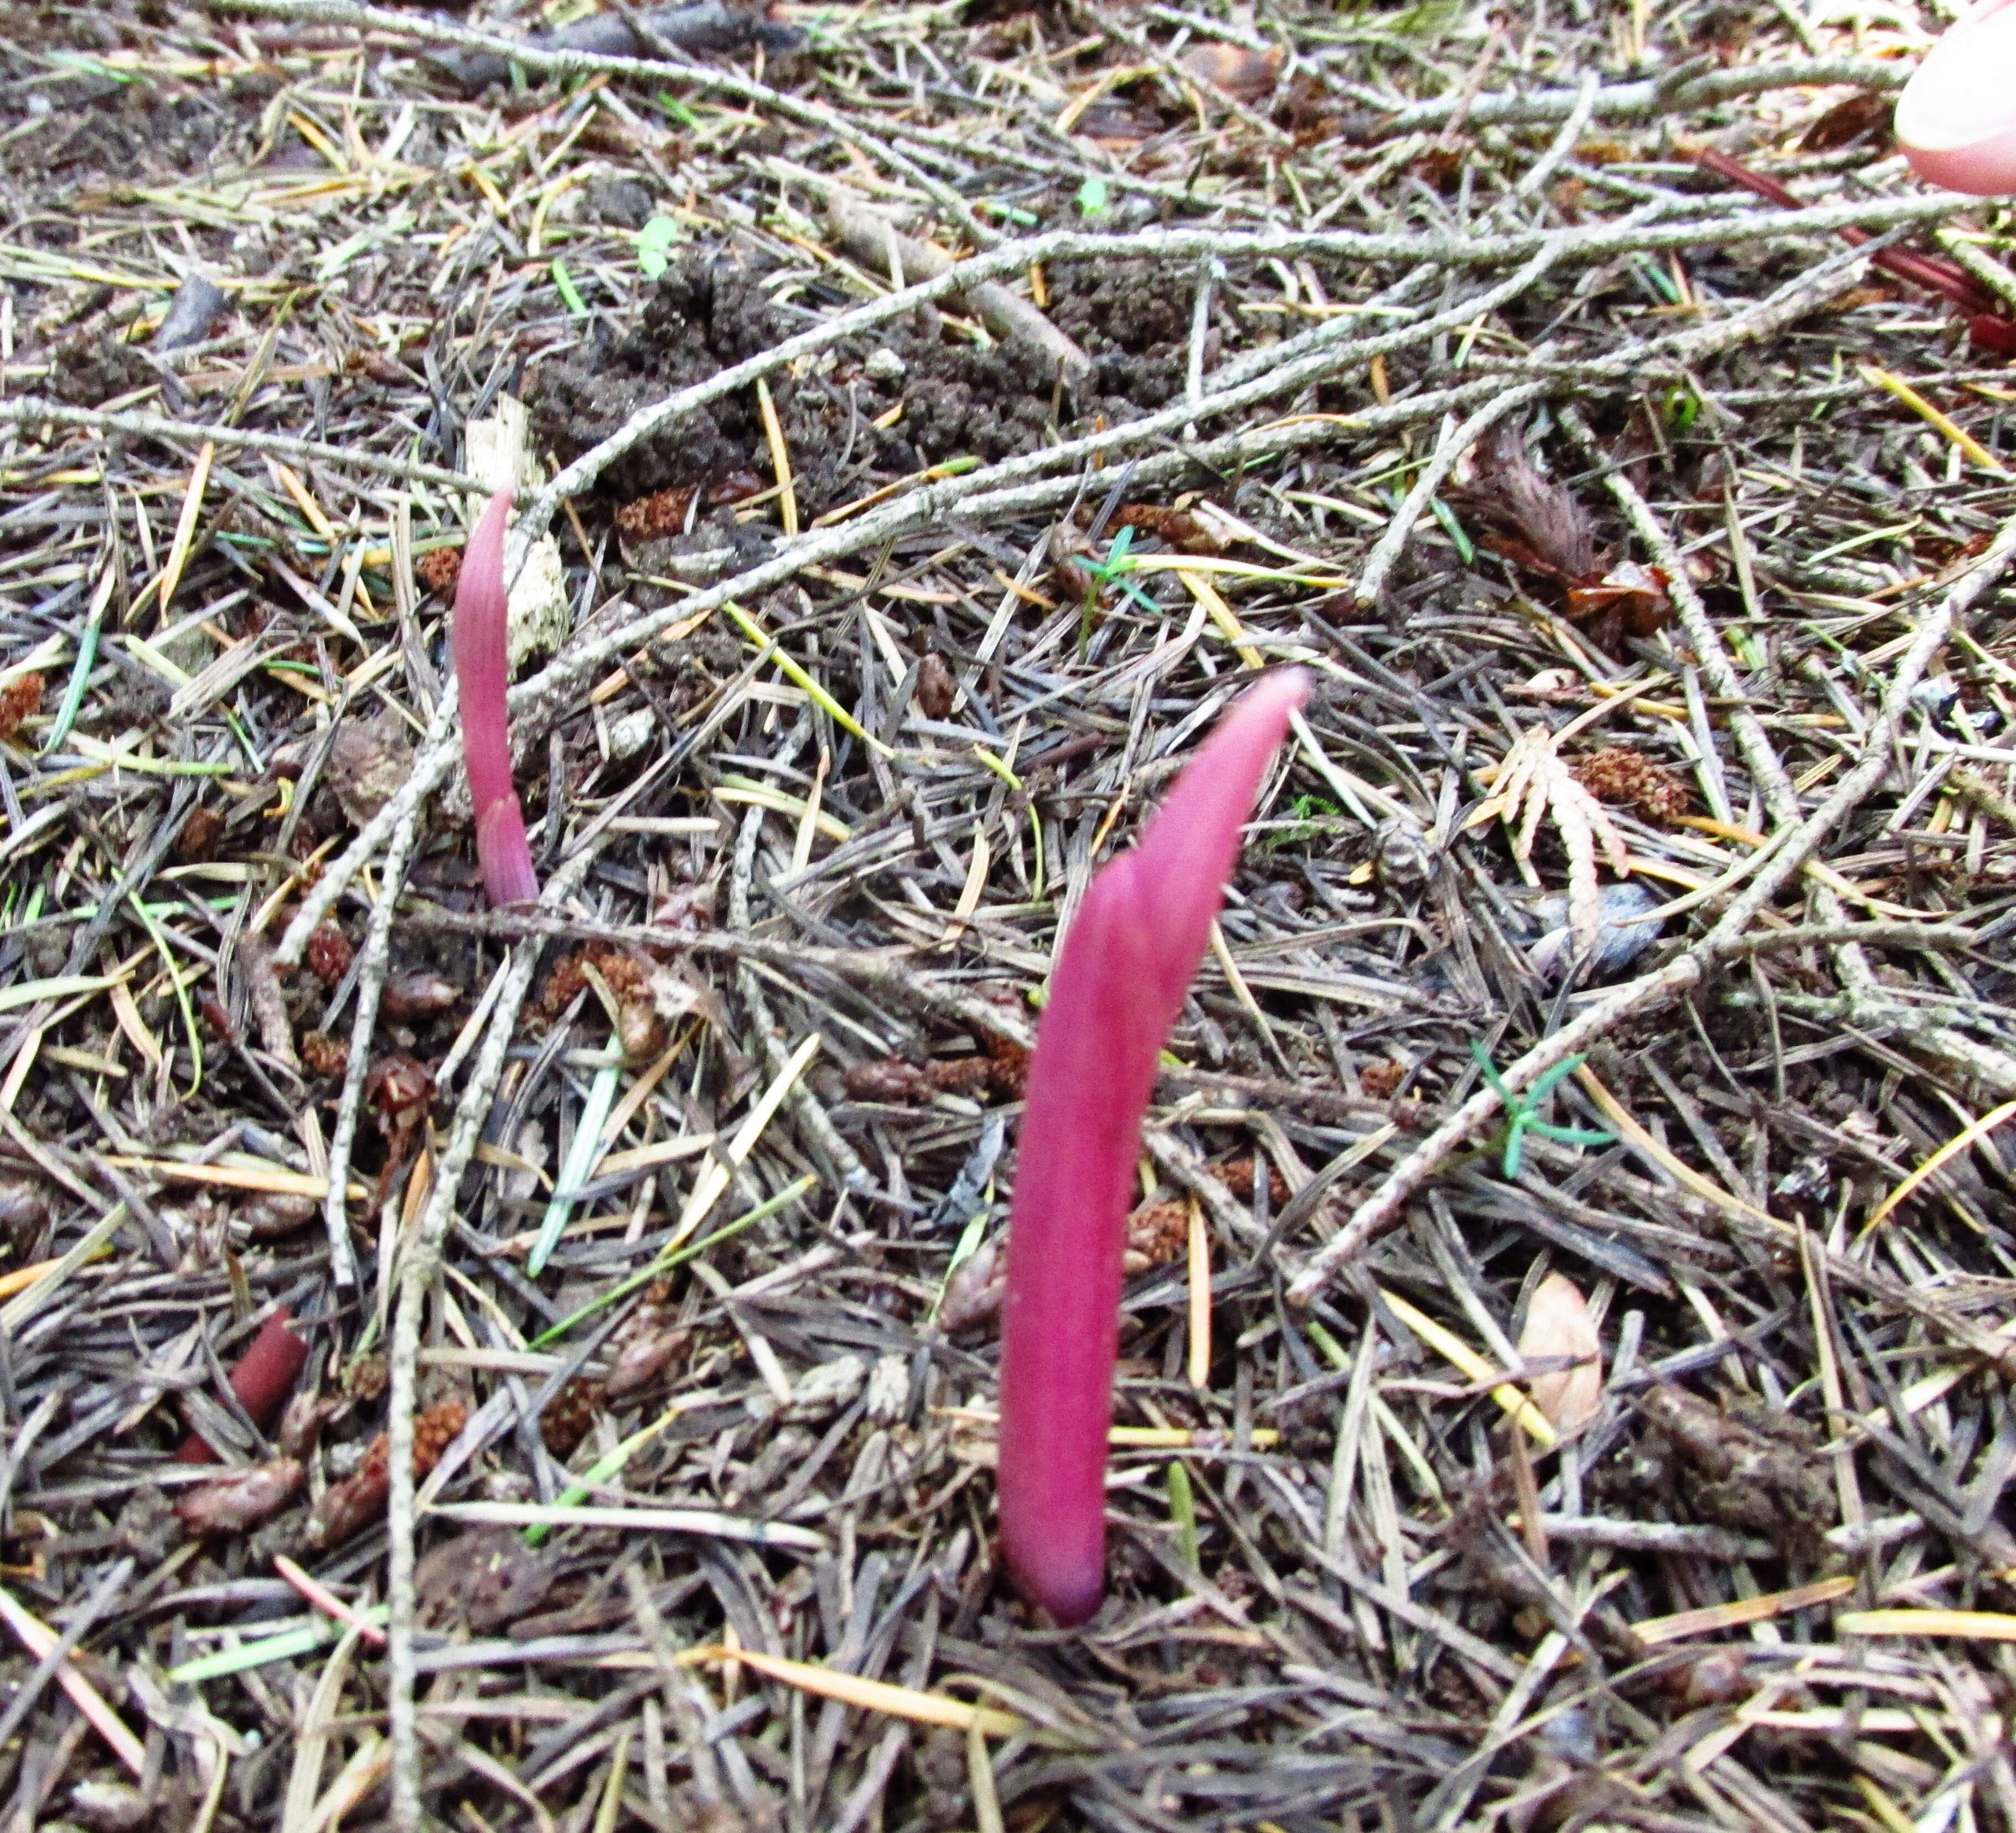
[(1244, 75), (1631, 599), (1176, 529), (243, 1500), (1857, 118), (936, 688), (368, 762), (1559, 1326), (973, 1292), (1513, 496), (890, 1080), (418, 994)]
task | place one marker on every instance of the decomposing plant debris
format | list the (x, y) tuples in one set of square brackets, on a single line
[(1562, 1338)]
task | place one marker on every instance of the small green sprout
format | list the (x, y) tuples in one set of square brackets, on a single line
[(1118, 563), (1110, 574), (1465, 548), (1522, 1111), (1683, 406), (1093, 197), (654, 244), (1183, 1512)]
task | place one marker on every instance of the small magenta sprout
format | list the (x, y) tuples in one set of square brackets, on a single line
[(480, 620), (1116, 991)]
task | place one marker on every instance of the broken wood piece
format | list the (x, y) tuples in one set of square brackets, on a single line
[(870, 237), (709, 26)]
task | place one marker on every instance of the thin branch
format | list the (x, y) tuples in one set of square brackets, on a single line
[(420, 1267), (29, 410), (1657, 95)]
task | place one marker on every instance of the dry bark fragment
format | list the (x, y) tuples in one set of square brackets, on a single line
[(243, 1500)]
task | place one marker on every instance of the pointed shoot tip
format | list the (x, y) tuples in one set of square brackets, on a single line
[(1116, 988)]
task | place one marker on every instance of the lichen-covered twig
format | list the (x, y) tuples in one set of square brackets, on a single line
[(30, 410), (1435, 474), (419, 1267), (1676, 93)]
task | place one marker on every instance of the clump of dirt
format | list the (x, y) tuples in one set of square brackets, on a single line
[(625, 202), (1738, 1464), (1133, 325), (705, 315), (992, 402), (76, 127), (96, 367), (959, 398)]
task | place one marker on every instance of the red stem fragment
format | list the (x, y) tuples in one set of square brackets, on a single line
[(1118, 986), (262, 1380), (482, 623), (1934, 272)]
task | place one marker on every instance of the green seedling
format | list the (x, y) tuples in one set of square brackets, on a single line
[(1110, 575), (1466, 549), (654, 246), (1182, 1513), (1522, 1111), (570, 293)]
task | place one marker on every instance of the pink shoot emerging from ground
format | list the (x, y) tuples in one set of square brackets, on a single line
[(480, 624), (1117, 989)]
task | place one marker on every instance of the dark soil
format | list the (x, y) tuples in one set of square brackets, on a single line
[(706, 314), (96, 367), (709, 312), (1133, 323)]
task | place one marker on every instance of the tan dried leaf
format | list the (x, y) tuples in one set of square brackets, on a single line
[(1548, 532), (973, 1293), (1244, 75), (368, 762), (1559, 1327)]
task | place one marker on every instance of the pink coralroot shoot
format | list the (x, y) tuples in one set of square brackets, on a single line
[(481, 621), (1117, 989)]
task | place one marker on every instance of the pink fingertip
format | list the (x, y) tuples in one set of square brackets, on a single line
[(1956, 118)]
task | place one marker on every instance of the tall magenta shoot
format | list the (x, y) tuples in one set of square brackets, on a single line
[(1117, 989), (481, 619)]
